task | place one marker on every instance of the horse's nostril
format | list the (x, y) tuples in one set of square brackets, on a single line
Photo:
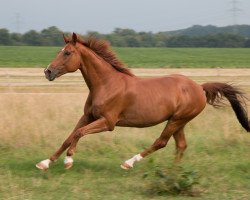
[(47, 71)]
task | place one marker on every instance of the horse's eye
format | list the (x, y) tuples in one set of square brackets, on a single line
[(67, 53)]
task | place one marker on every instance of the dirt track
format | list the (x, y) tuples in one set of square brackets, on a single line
[(32, 80), (139, 72)]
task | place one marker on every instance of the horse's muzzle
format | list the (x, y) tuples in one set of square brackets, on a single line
[(50, 74)]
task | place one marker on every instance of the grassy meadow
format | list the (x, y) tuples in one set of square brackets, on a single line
[(36, 116), (23, 56)]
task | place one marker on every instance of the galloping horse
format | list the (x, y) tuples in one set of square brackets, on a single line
[(119, 98)]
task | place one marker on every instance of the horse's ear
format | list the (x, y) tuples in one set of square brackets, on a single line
[(74, 37), (66, 39)]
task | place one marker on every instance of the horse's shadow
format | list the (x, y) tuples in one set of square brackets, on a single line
[(26, 168)]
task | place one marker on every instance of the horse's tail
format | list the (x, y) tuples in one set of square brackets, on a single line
[(215, 93)]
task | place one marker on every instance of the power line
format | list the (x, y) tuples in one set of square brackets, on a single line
[(235, 10), (17, 22)]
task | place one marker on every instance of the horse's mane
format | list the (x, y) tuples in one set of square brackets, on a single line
[(102, 49)]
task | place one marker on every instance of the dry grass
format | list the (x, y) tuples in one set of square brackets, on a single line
[(38, 108), (35, 119), (29, 118)]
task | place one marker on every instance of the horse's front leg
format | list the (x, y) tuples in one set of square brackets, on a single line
[(43, 165), (97, 126)]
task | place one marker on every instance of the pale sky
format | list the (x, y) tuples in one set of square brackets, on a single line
[(105, 15)]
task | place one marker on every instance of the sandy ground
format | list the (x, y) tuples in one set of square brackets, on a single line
[(26, 80), (139, 72)]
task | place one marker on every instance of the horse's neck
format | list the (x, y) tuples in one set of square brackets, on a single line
[(95, 70)]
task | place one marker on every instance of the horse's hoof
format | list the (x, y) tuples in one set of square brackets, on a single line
[(42, 166), (126, 166), (68, 165), (68, 162)]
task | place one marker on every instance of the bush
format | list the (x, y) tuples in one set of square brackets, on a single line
[(174, 181)]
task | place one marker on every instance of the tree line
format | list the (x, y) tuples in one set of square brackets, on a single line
[(52, 36)]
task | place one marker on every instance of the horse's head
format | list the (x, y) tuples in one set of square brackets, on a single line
[(67, 60)]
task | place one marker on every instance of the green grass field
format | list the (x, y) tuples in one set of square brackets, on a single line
[(137, 57), (36, 119), (36, 116)]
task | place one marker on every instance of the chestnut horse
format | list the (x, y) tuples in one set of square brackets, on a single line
[(119, 98)]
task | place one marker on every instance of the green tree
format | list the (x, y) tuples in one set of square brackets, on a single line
[(32, 38), (247, 43), (95, 34), (116, 40), (52, 36), (161, 39), (146, 39), (16, 38), (124, 32), (5, 37)]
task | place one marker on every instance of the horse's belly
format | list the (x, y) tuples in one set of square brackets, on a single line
[(138, 124), (144, 117)]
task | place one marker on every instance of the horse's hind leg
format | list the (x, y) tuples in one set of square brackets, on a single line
[(172, 127), (181, 144)]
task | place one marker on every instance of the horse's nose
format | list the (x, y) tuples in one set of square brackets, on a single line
[(49, 74), (47, 71)]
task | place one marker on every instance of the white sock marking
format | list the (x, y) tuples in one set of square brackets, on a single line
[(46, 163), (68, 159), (131, 161)]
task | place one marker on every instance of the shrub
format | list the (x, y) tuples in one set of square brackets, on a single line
[(174, 181)]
